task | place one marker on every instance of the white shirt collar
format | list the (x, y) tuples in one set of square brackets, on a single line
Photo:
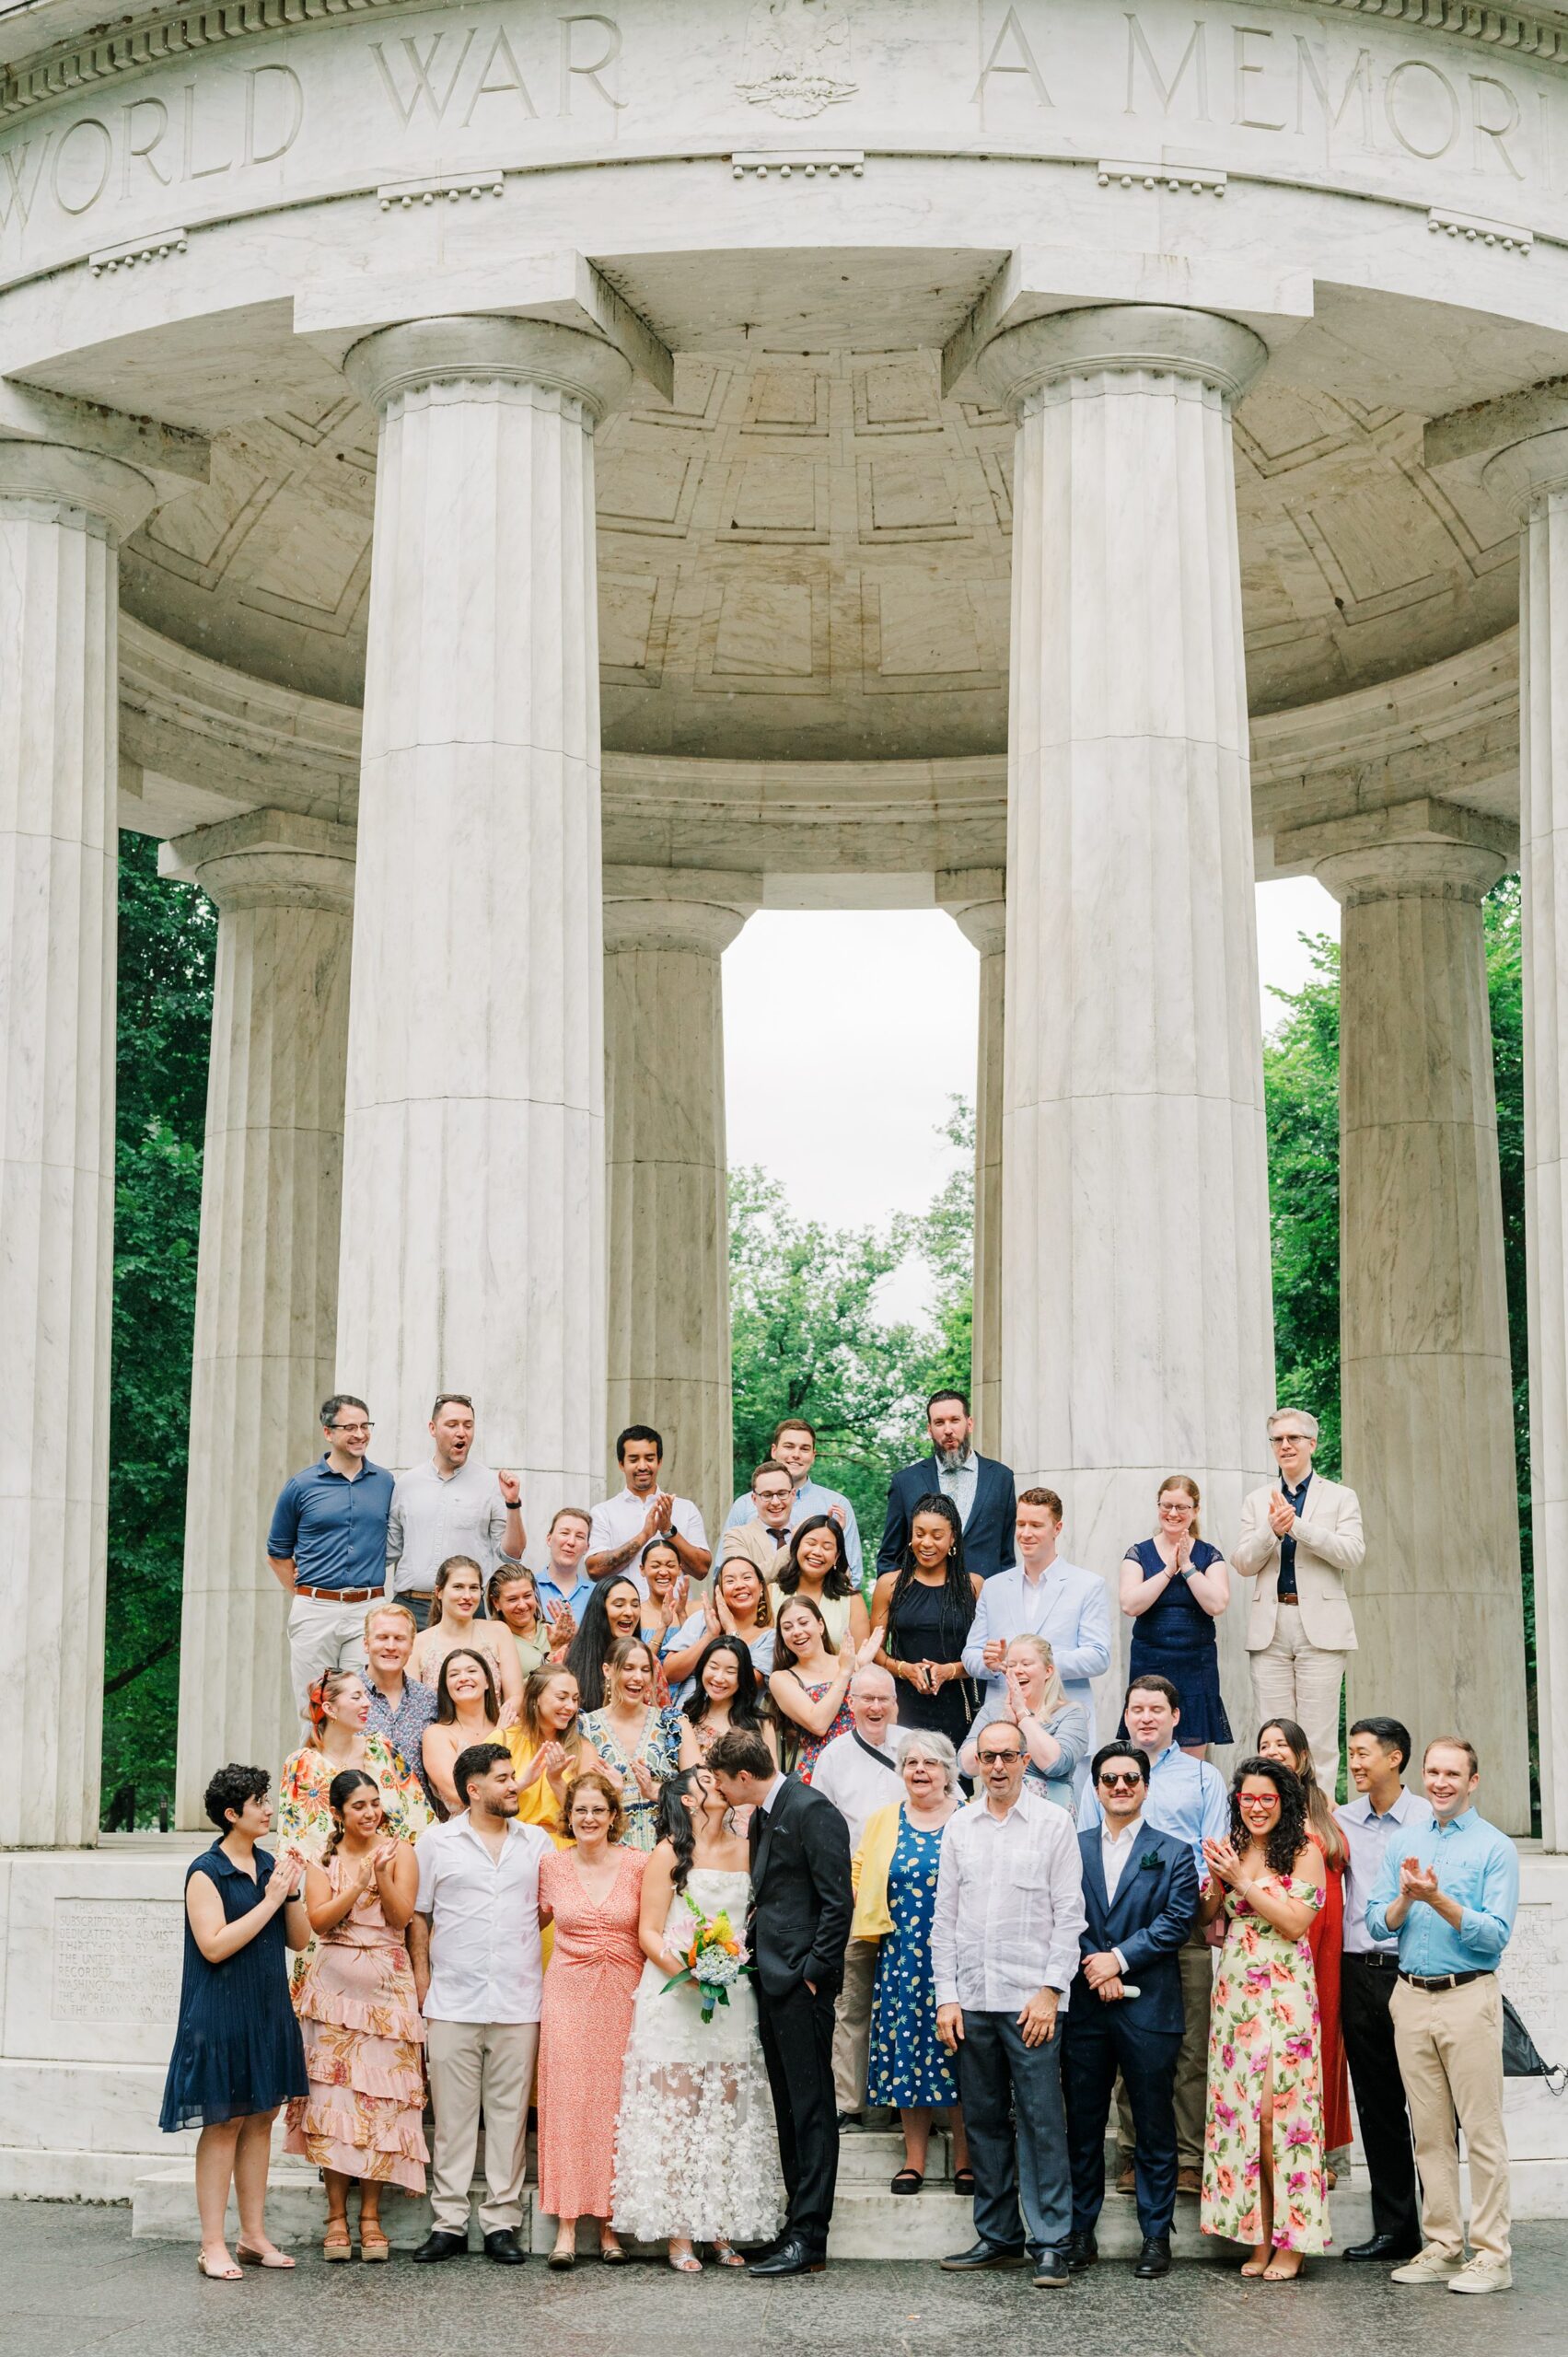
[(771, 1795), (1113, 1840)]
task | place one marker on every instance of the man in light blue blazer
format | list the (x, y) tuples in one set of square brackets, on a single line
[(1042, 1596)]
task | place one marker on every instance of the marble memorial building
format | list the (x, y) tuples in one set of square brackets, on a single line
[(504, 492)]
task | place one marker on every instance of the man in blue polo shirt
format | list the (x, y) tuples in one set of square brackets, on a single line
[(326, 1547)]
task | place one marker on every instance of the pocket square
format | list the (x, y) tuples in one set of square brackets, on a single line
[(1150, 1863)]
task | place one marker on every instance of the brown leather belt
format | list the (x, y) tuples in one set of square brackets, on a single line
[(339, 1595)]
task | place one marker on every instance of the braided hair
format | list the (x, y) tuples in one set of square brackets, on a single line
[(958, 1595), (341, 1791), (1287, 1836)]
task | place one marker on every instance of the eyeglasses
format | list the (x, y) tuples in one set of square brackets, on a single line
[(771, 1497), (351, 1428), (997, 1758), (1115, 1778)]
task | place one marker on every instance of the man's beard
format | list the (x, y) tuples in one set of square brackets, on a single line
[(950, 1459)]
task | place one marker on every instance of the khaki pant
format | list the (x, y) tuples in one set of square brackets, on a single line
[(1449, 2042), (475, 2066), (1196, 1960), (1291, 1680), (852, 2027), (323, 1636)]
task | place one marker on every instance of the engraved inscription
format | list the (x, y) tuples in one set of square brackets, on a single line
[(117, 1959)]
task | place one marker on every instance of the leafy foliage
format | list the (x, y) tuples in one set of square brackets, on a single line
[(167, 937)]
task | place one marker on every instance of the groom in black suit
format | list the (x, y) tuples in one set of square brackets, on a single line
[(1140, 1896), (802, 1901)]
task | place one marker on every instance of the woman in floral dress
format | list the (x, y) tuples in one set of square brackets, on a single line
[(1263, 2181), (638, 1739), (895, 1900), (364, 2115)]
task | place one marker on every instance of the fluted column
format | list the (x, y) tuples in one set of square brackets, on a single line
[(664, 935), (267, 1273), (1532, 476), (63, 515), (1137, 1323), (1426, 1388), (984, 923), (473, 1169)]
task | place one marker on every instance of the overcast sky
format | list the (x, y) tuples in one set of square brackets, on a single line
[(868, 1027)]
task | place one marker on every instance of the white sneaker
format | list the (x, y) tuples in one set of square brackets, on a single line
[(1483, 2275), (1432, 2265)]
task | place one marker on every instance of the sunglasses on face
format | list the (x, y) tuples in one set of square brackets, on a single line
[(1114, 1777)]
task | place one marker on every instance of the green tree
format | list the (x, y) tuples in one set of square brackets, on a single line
[(168, 934)]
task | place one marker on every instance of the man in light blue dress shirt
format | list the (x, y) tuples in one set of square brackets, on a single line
[(1449, 1891), (795, 1448), (1187, 1799), (1042, 1596)]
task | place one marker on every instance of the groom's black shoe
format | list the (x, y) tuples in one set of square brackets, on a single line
[(1154, 2259), (793, 2257), (984, 2254)]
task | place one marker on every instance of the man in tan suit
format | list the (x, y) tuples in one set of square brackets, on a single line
[(1298, 1542)]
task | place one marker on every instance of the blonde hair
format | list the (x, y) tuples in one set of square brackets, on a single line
[(534, 1692), (390, 1611), (1182, 1482), (1054, 1699)]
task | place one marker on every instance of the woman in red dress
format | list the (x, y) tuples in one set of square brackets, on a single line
[(593, 1890), (1284, 1740)]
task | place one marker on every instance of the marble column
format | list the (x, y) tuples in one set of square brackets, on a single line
[(1532, 477), (63, 515), (1426, 1389), (267, 1274), (1137, 1332), (473, 1252), (984, 923), (664, 935)]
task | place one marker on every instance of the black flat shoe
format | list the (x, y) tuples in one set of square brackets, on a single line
[(907, 2181), (793, 2257), (1082, 2252), (503, 2248), (980, 2254), (440, 2244), (1392, 2249), (963, 2184), (1051, 2271), (1154, 2258)]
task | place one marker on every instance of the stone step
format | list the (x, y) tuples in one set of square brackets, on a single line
[(869, 2223)]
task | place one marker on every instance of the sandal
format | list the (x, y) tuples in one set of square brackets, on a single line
[(613, 2255), (907, 2180), (562, 2257), (273, 2257), (229, 2274), (963, 2183), (373, 2243), (335, 2243), (687, 2264), (726, 2256)]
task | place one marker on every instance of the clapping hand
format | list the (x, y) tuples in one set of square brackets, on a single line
[(506, 1716), (645, 1784), (1221, 1858), (994, 1654), (871, 1648), (562, 1625), (1282, 1513), (1017, 1707), (1417, 1881), (284, 1881), (552, 1759)]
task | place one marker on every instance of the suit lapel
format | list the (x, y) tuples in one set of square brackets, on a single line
[(1094, 1873), (764, 1841)]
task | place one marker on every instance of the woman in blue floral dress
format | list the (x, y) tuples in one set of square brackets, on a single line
[(895, 1887), (636, 1738), (1263, 2181)]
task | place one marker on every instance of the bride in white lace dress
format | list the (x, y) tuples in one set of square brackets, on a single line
[(696, 2156)]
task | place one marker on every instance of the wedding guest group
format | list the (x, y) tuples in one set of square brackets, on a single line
[(688, 1862)]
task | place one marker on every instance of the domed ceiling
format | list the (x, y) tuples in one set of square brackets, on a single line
[(808, 555)]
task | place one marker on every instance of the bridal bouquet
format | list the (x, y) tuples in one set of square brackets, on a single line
[(714, 1959)]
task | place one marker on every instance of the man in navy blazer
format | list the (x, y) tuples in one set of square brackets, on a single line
[(1125, 2012), (979, 1487)]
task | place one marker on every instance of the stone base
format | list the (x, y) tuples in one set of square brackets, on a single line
[(91, 1946)]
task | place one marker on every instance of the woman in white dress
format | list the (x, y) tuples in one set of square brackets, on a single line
[(696, 2156)]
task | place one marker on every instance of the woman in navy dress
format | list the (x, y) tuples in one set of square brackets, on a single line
[(1174, 1587), (237, 2052), (895, 1887)]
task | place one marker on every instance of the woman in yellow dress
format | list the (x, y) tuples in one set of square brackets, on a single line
[(548, 1748)]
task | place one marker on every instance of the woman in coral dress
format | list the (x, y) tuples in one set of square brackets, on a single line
[(1284, 1740), (593, 1891), (1263, 2147), (364, 2115)]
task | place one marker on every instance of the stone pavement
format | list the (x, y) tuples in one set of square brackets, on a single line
[(74, 2283)]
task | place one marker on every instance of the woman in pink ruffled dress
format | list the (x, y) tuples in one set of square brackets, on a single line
[(364, 2115)]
